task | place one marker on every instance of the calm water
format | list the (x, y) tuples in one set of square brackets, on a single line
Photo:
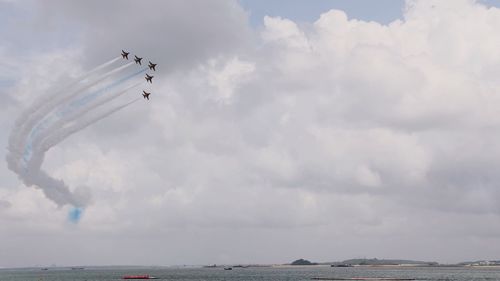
[(251, 274)]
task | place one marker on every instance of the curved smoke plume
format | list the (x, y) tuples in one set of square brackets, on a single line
[(54, 117)]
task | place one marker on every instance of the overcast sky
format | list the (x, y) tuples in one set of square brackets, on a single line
[(277, 130)]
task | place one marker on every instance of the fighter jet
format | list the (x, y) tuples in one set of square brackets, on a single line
[(146, 95), (124, 54), (152, 66), (138, 60), (148, 78)]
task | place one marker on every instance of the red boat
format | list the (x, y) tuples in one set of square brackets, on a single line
[(146, 276)]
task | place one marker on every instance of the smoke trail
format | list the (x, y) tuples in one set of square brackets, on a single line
[(59, 125), (54, 118), (19, 141), (63, 133), (45, 106), (59, 191), (99, 92), (71, 107), (75, 214), (92, 95), (42, 99), (54, 189), (68, 115), (24, 120)]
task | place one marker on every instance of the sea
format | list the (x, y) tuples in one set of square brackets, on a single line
[(301, 273)]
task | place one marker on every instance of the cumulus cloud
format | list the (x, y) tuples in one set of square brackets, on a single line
[(163, 32), (340, 129), (227, 78)]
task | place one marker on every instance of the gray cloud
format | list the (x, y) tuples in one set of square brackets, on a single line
[(161, 31), (341, 130), (4, 204)]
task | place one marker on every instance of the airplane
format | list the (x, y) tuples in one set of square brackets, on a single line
[(148, 78), (124, 54), (146, 95), (138, 60), (152, 66)]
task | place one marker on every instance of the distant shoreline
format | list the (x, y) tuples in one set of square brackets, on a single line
[(276, 266), (388, 266)]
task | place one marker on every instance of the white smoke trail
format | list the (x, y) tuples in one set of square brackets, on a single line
[(74, 106), (58, 191), (29, 117), (23, 133), (45, 124), (26, 123), (39, 145), (44, 98), (68, 116), (45, 106), (63, 133)]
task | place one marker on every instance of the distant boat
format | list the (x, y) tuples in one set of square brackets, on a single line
[(77, 268), (45, 268), (228, 268), (146, 276)]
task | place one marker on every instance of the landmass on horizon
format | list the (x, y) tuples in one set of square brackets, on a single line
[(393, 262), (358, 262)]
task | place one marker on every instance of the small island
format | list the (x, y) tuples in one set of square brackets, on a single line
[(303, 262)]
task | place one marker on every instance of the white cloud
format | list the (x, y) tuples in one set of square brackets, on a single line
[(227, 78), (339, 130), (284, 31)]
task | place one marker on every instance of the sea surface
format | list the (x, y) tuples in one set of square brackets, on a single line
[(251, 274)]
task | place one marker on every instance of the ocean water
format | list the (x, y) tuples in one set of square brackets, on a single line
[(251, 274)]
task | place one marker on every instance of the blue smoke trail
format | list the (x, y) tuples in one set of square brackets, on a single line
[(28, 151), (75, 214), (90, 97), (76, 114), (61, 113), (40, 128), (43, 105)]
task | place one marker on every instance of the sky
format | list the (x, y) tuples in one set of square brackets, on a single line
[(383, 11), (276, 130)]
